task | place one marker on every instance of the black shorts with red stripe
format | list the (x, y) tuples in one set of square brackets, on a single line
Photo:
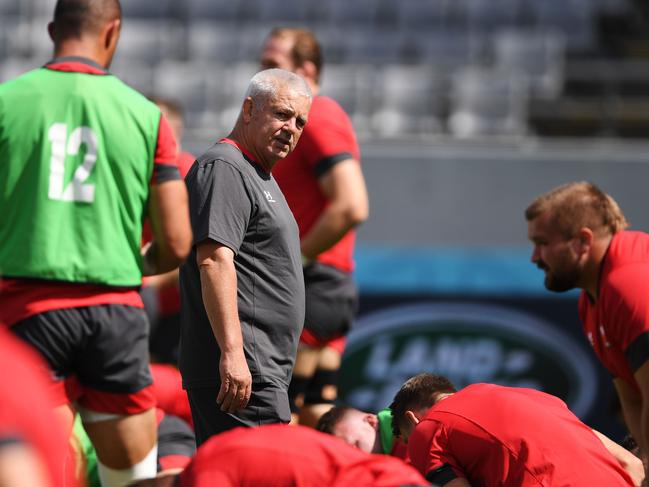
[(331, 301), (98, 355), (176, 443)]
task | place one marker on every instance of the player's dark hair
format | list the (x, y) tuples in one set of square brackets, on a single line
[(305, 47), (418, 392), (577, 205), (73, 18), (331, 418)]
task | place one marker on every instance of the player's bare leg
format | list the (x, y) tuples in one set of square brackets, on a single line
[(125, 442), (325, 372), (306, 363)]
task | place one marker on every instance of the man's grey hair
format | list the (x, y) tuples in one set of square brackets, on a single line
[(266, 84)]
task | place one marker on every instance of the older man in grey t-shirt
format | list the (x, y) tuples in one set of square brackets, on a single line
[(242, 285)]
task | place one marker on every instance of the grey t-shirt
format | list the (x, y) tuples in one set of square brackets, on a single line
[(236, 203)]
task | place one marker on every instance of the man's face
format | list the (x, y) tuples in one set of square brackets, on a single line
[(277, 124), (358, 429), (555, 254), (277, 54)]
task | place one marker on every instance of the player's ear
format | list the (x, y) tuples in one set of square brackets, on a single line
[(412, 418), (247, 109), (307, 70), (372, 420), (50, 31), (583, 240), (111, 34)]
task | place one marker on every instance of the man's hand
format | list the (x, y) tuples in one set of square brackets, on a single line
[(236, 382)]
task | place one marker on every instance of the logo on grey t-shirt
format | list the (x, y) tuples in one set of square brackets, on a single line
[(269, 197)]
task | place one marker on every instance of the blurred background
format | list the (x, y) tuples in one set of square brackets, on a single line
[(465, 110)]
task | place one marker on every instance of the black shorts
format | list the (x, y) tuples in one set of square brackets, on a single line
[(331, 301), (176, 443), (268, 404), (103, 348)]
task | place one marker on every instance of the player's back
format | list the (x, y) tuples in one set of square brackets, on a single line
[(281, 455), (77, 151), (524, 437)]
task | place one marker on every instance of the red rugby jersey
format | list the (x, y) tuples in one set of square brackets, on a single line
[(510, 437), (279, 455), (327, 139), (617, 324)]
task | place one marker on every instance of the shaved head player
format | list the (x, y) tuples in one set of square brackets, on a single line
[(85, 159)]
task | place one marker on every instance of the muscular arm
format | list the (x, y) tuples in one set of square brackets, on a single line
[(219, 292), (631, 404), (169, 216), (344, 187), (629, 462)]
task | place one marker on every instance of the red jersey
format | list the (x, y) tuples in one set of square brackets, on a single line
[(327, 139), (279, 455), (510, 437), (26, 408), (22, 298), (617, 324)]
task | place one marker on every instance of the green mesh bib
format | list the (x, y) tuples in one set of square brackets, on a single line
[(76, 158)]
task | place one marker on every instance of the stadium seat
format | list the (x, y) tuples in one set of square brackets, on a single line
[(365, 45), (144, 41), (146, 9), (282, 11), (14, 67), (232, 86), (486, 16), (223, 10), (345, 12), (40, 45), (574, 18), (11, 8), (251, 39), (428, 14), (137, 75), (351, 86), (538, 54), (185, 82), (210, 41), (449, 49), (416, 110), (487, 102)]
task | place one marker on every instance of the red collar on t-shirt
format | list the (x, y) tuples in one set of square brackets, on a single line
[(75, 64), (243, 150)]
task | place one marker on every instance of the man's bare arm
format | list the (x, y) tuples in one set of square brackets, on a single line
[(631, 404), (344, 187), (168, 212), (219, 292), (629, 462)]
